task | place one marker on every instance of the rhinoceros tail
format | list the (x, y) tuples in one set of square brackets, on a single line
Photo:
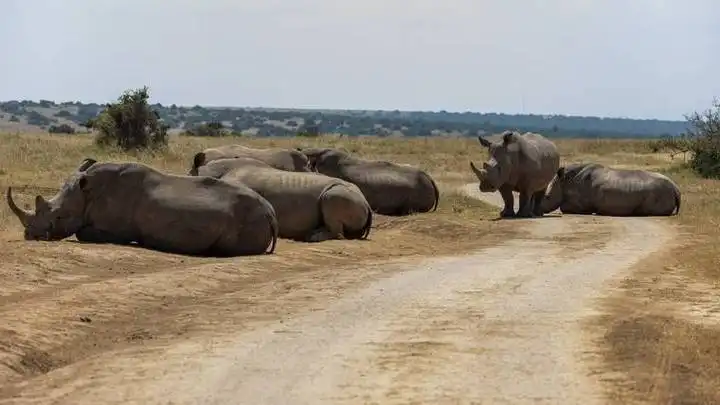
[(677, 200), (436, 191), (368, 224), (274, 228)]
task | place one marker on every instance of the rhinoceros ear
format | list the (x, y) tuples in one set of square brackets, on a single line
[(86, 163), (508, 137), (198, 160), (484, 142), (561, 171)]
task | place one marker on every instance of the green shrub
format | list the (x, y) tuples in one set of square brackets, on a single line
[(130, 123), (701, 142)]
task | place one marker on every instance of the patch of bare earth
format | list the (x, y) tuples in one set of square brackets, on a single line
[(502, 325), (65, 302)]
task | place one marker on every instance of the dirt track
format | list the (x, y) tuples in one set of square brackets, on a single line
[(499, 326)]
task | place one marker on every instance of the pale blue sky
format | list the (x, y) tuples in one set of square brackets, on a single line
[(635, 58)]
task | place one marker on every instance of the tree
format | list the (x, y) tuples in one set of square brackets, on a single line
[(702, 141), (130, 123), (310, 128)]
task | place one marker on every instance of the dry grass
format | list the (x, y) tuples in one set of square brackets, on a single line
[(62, 302), (661, 329)]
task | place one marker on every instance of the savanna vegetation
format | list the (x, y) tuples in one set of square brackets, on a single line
[(659, 331), (38, 116)]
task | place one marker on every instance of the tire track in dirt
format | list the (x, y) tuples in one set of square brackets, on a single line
[(501, 325)]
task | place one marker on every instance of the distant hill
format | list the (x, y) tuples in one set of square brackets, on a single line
[(40, 116)]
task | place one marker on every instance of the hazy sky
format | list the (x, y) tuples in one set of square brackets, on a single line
[(635, 58)]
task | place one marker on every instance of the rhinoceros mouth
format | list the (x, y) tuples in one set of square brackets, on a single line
[(487, 187)]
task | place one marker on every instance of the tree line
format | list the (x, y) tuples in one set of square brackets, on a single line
[(204, 121)]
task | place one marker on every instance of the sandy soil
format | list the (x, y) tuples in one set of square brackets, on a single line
[(502, 325)]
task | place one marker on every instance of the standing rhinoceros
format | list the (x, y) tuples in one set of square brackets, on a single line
[(310, 207), (524, 163), (591, 188), (391, 189), (123, 203), (284, 159)]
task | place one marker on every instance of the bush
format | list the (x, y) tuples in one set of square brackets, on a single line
[(310, 129), (61, 129), (35, 118), (213, 128), (63, 114), (130, 123), (701, 141)]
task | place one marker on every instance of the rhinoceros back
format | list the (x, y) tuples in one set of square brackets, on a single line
[(540, 158)]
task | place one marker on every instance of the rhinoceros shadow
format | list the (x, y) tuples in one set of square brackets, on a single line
[(546, 216), (135, 245)]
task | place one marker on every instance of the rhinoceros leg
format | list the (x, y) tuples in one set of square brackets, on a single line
[(509, 201), (89, 234), (537, 199), (526, 205), (321, 235)]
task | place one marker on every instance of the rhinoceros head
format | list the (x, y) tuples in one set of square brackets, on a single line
[(324, 160), (59, 217), (497, 170)]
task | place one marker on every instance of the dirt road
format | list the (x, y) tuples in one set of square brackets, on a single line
[(499, 326)]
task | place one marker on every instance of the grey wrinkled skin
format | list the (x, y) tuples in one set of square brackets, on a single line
[(591, 188), (283, 159), (125, 203), (391, 189), (524, 163), (310, 207)]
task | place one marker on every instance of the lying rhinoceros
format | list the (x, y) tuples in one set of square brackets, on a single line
[(391, 189), (310, 207), (592, 188), (283, 159), (124, 203), (524, 163)]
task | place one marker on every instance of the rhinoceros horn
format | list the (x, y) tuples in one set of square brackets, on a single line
[(22, 215), (480, 173)]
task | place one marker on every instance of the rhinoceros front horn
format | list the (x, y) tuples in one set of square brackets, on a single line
[(22, 215)]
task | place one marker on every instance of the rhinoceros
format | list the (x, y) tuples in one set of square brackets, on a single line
[(122, 203), (283, 159), (391, 189), (592, 188), (525, 163), (310, 207)]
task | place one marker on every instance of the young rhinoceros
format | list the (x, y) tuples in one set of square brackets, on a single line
[(280, 158), (524, 163), (310, 207), (592, 188), (390, 188), (123, 203)]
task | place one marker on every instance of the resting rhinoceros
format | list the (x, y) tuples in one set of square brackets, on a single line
[(123, 203), (310, 207), (284, 159), (591, 188), (524, 163), (391, 189)]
